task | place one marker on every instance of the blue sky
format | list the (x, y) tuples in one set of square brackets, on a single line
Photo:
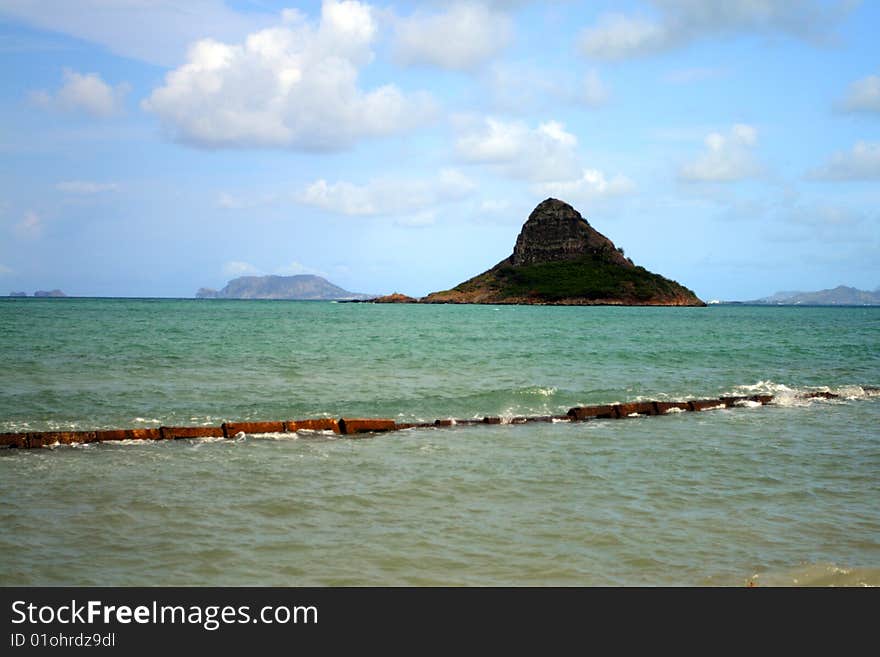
[(152, 147)]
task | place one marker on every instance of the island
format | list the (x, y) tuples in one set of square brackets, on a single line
[(302, 287), (841, 295), (18, 294), (50, 294), (560, 259)]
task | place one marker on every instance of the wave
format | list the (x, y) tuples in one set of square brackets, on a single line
[(817, 574)]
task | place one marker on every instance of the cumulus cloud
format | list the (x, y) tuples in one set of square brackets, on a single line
[(30, 226), (591, 186), (547, 152), (462, 37), (292, 86), (863, 95), (386, 196), (860, 163), (86, 93), (728, 157), (679, 22), (85, 187)]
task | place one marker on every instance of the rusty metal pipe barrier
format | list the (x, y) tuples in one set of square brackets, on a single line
[(364, 427)]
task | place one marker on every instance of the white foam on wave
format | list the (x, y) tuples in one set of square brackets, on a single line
[(275, 435), (670, 411), (324, 433), (147, 421), (787, 396), (129, 442)]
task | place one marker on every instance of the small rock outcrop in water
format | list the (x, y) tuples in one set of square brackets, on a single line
[(559, 259), (50, 293), (303, 287), (395, 297)]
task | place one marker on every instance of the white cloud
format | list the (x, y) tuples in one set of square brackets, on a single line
[(293, 86), (540, 154), (30, 226), (464, 36), (155, 31), (5, 270), (592, 185), (297, 268), (237, 268), (386, 196), (680, 22), (727, 158), (85, 187), (84, 92), (863, 95), (861, 163)]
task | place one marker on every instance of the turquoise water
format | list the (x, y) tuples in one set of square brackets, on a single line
[(784, 492)]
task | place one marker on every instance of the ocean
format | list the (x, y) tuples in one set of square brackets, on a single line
[(787, 493)]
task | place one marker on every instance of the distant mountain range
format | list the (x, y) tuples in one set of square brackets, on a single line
[(40, 294), (839, 296), (303, 287)]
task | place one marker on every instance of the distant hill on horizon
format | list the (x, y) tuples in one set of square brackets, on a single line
[(302, 287), (841, 295)]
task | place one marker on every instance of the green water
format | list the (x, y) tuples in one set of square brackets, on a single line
[(789, 491)]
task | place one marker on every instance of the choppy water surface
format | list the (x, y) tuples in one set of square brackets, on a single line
[(782, 494)]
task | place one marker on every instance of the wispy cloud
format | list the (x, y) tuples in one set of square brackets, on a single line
[(522, 88), (681, 22), (387, 196), (862, 96), (30, 226), (85, 187), (296, 268), (862, 162), (238, 268), (460, 37)]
